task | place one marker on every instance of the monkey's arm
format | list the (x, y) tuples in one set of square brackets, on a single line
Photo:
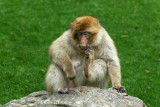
[(113, 68), (115, 75), (61, 59)]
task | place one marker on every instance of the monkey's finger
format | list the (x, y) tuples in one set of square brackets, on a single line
[(87, 51), (122, 90)]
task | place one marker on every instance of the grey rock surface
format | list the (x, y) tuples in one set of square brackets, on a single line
[(78, 97)]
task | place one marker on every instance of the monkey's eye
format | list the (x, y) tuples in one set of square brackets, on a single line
[(85, 33), (78, 34)]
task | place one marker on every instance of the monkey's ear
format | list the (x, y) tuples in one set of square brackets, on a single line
[(97, 20)]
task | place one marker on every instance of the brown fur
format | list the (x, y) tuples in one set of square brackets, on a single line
[(85, 23)]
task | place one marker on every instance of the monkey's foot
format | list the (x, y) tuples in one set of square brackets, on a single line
[(120, 89), (63, 91)]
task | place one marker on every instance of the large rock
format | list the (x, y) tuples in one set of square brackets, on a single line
[(78, 97)]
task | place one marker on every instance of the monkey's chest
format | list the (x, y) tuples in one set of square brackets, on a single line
[(77, 62)]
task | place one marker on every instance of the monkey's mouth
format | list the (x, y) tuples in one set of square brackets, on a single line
[(84, 48)]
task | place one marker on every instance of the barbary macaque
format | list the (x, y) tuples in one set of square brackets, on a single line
[(84, 55)]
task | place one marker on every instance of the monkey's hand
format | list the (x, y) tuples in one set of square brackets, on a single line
[(89, 54), (70, 73), (120, 89)]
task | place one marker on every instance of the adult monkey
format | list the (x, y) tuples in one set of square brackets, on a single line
[(83, 55)]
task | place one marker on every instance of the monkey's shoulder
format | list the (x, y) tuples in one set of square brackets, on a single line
[(60, 44)]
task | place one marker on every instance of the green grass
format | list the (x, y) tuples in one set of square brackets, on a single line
[(27, 28)]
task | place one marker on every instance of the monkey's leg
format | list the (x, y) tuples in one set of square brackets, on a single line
[(97, 71), (55, 80)]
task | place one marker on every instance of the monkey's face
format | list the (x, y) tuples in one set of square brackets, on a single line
[(83, 39), (84, 30)]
